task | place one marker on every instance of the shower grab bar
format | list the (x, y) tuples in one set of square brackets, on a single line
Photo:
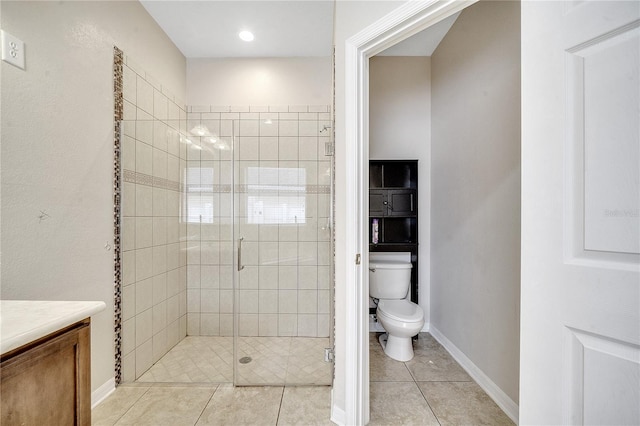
[(240, 265)]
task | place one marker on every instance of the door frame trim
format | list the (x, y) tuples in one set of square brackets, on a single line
[(401, 23)]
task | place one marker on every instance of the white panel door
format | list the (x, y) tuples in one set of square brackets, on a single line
[(580, 328)]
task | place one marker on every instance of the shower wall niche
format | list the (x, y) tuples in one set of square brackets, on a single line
[(273, 159)]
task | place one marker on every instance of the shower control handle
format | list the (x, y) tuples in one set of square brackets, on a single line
[(240, 265)]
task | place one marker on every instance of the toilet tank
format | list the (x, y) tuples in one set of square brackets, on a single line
[(389, 279)]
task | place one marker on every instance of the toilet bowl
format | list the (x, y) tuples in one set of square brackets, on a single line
[(402, 319)]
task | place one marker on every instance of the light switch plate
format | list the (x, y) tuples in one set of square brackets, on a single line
[(12, 49)]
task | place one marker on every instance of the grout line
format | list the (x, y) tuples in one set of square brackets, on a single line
[(280, 406), (184, 384), (207, 404), (428, 405), (410, 373), (132, 405)]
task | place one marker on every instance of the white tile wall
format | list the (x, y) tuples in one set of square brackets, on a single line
[(284, 288), (154, 272)]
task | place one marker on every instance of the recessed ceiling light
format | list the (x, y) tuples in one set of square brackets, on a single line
[(246, 35)]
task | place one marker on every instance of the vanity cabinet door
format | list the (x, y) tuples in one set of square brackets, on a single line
[(49, 382)]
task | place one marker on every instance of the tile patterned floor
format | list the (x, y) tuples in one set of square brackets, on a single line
[(431, 389), (176, 405), (195, 359), (284, 360), (274, 360)]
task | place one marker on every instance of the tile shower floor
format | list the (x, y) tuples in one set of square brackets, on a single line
[(273, 360), (431, 389)]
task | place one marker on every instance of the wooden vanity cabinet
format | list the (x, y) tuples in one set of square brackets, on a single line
[(48, 382)]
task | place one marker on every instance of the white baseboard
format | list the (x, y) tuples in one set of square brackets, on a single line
[(100, 394), (337, 414), (510, 408)]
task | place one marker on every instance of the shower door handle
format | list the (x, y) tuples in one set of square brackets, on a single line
[(240, 265)]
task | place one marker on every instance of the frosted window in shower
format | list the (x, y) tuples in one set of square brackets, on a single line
[(276, 196)]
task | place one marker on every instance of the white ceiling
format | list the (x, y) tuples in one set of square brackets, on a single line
[(283, 28), (209, 28)]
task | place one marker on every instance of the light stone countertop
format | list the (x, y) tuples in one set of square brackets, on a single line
[(23, 321)]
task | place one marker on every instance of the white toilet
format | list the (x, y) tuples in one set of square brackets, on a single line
[(389, 282)]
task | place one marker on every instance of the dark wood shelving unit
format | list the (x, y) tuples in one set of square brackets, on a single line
[(393, 201)]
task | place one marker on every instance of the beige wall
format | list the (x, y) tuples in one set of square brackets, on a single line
[(400, 128), (259, 81), (475, 216), (399, 106), (57, 150)]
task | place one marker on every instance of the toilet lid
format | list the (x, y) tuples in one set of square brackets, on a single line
[(401, 310)]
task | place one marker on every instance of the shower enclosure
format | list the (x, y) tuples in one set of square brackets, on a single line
[(258, 191), (225, 257)]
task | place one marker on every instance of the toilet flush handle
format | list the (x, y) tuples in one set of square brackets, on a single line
[(372, 269)]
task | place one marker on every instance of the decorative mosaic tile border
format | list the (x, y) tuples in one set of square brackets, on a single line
[(147, 180), (306, 189), (118, 77), (252, 189)]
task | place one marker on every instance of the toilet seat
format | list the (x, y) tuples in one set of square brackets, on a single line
[(401, 310)]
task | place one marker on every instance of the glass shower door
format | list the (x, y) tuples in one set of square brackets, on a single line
[(282, 285)]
